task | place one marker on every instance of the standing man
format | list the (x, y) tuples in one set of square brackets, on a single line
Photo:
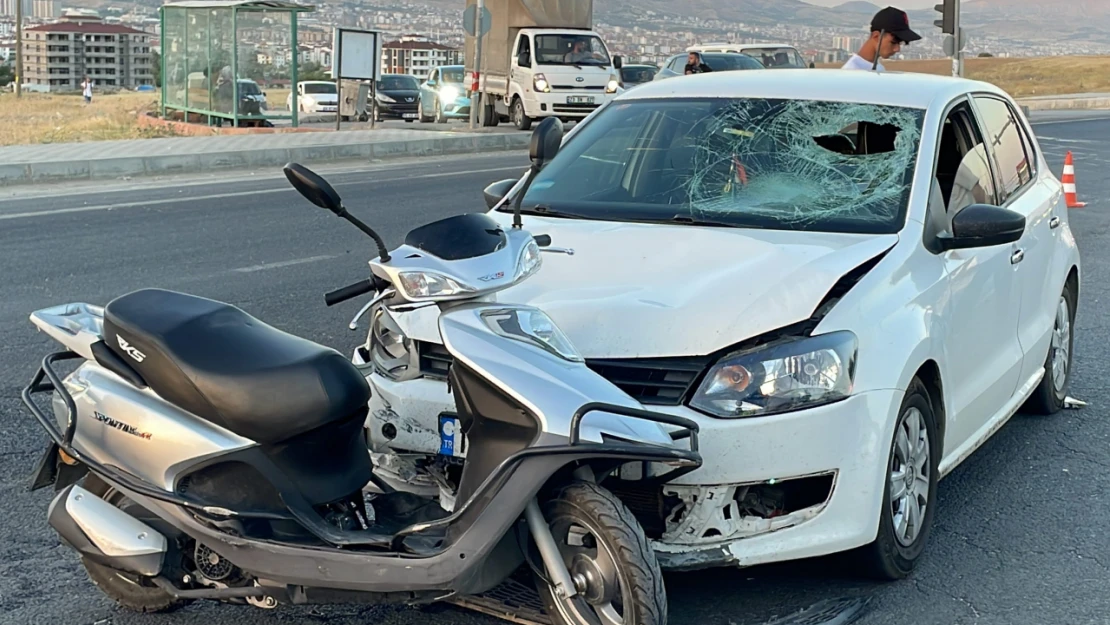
[(890, 30), (86, 89)]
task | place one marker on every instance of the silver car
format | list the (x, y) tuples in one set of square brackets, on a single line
[(718, 62)]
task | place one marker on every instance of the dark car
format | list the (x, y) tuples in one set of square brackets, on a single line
[(632, 75), (396, 96), (717, 61)]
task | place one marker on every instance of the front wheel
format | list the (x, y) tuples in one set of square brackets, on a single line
[(616, 576)]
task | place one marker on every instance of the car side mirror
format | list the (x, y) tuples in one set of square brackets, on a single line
[(618, 62), (497, 191), (546, 141), (983, 225)]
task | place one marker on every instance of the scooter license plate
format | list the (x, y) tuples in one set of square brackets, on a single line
[(452, 441)]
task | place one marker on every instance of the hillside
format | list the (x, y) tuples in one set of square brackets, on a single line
[(1024, 77)]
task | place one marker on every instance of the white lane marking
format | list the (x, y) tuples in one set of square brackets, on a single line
[(1070, 121), (216, 196), (284, 263)]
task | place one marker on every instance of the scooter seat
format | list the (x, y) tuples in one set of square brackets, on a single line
[(223, 365)]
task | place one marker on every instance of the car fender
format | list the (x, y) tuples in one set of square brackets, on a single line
[(898, 313)]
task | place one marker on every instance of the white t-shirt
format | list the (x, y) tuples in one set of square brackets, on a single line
[(87, 86), (858, 62)]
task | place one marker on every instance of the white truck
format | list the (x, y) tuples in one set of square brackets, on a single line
[(541, 58)]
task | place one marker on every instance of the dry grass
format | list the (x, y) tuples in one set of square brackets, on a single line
[(55, 118), (1026, 76)]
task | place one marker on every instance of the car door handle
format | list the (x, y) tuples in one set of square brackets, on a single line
[(1054, 223), (1017, 257)]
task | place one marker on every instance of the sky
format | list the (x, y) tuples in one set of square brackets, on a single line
[(901, 4)]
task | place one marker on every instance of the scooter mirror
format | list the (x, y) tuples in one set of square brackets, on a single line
[(546, 141), (497, 191), (314, 188)]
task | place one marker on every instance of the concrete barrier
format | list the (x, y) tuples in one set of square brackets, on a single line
[(135, 166)]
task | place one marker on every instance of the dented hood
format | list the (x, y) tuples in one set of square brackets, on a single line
[(647, 290)]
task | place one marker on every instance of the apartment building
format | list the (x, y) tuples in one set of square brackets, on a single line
[(60, 54), (418, 56)]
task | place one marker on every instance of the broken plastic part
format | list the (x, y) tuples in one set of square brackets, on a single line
[(801, 162)]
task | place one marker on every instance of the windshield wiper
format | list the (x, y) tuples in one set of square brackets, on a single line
[(686, 220), (543, 211)]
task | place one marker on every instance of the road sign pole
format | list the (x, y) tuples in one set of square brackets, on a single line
[(18, 48)]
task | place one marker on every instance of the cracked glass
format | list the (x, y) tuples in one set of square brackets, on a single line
[(751, 162)]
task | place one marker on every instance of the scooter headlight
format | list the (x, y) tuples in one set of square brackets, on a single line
[(529, 261), (532, 326), (425, 284)]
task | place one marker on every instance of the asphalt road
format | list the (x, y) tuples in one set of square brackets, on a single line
[(1020, 533)]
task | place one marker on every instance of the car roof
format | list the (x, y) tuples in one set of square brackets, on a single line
[(913, 90)]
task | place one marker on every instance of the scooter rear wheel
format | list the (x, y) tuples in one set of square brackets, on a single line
[(617, 578), (130, 591)]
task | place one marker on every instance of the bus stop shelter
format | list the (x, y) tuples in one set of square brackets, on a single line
[(218, 54)]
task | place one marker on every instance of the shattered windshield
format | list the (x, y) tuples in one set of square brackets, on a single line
[(753, 163)]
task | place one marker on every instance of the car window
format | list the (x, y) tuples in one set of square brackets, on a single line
[(433, 77), (745, 162), (453, 75), (1006, 146), (397, 83), (677, 64), (727, 62)]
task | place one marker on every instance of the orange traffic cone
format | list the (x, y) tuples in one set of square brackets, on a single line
[(1069, 183)]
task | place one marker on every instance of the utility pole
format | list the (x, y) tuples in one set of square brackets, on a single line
[(475, 97), (18, 48)]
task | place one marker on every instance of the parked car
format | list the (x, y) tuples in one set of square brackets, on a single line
[(771, 55), (315, 96), (718, 62), (637, 74), (395, 97), (443, 95), (851, 280)]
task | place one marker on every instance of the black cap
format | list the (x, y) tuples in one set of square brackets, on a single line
[(896, 22)]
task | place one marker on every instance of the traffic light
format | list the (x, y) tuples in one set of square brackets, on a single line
[(947, 10)]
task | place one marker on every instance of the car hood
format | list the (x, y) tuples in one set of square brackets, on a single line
[(401, 94), (650, 290)]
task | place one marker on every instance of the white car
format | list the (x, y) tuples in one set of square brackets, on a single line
[(315, 96), (850, 279)]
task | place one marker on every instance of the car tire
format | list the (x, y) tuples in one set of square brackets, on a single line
[(892, 556), (1048, 398)]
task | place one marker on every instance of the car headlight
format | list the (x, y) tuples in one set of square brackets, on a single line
[(448, 94), (533, 326), (539, 83), (780, 378), (613, 85), (421, 284), (384, 98), (390, 351)]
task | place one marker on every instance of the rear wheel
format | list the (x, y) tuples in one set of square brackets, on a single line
[(1049, 396), (131, 591), (616, 576)]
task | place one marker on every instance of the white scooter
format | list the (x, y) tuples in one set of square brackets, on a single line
[(224, 459)]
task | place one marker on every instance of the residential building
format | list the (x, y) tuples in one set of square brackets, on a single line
[(8, 8), (418, 56), (60, 54), (44, 9)]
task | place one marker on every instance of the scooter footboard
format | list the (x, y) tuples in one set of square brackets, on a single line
[(470, 536)]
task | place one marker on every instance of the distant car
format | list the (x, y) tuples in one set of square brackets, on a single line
[(315, 96), (719, 62), (396, 97), (771, 55), (443, 95), (632, 75), (252, 100)]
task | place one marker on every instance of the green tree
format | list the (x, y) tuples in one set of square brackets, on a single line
[(156, 59), (7, 74)]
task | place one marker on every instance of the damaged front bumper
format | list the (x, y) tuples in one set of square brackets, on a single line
[(777, 488)]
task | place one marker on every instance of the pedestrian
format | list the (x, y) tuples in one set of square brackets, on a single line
[(695, 64), (890, 30), (86, 89)]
